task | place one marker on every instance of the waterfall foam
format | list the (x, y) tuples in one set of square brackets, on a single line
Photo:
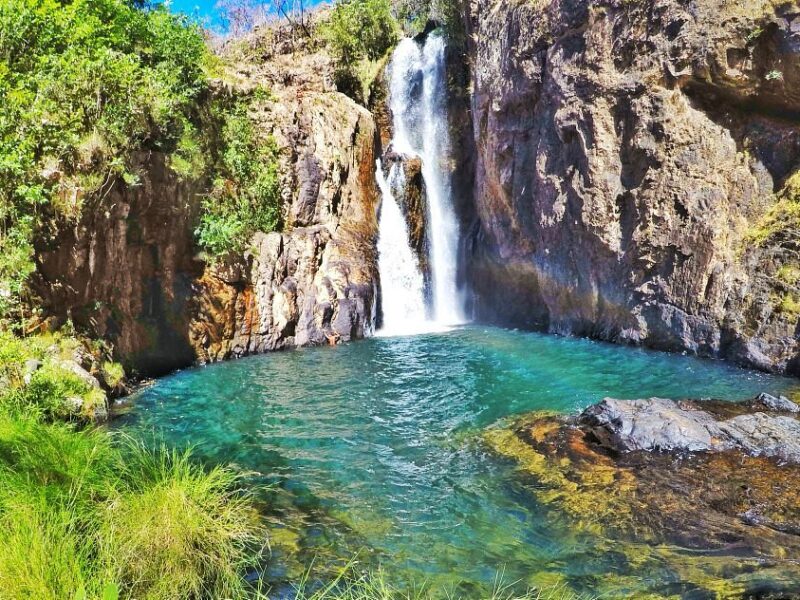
[(418, 101), (401, 279)]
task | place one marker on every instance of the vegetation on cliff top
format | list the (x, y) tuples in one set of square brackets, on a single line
[(86, 85), (359, 34)]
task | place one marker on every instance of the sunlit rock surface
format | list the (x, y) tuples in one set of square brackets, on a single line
[(628, 155)]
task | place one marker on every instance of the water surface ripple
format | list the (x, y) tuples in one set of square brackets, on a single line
[(374, 445)]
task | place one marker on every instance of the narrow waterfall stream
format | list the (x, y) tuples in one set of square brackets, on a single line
[(401, 278), (418, 101)]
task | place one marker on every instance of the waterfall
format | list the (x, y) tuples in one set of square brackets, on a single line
[(401, 279), (418, 101)]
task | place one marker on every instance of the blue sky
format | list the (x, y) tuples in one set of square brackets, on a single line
[(207, 11)]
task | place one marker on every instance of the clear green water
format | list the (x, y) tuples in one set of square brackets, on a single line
[(374, 445)]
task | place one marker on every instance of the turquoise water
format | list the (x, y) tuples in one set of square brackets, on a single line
[(374, 446)]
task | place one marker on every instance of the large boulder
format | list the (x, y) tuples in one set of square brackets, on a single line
[(669, 426)]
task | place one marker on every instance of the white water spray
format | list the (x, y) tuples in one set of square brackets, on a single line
[(418, 100), (401, 279)]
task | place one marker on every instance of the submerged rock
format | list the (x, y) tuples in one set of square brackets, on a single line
[(707, 490)]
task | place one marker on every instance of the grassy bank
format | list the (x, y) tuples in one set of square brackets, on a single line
[(84, 514)]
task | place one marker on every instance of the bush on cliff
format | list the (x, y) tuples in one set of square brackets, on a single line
[(415, 15), (359, 34), (245, 197), (85, 85)]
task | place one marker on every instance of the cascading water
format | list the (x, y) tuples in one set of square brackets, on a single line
[(401, 279), (418, 101)]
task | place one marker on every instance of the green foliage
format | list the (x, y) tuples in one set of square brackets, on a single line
[(358, 32), (50, 389), (415, 15), (82, 517), (774, 76), (246, 193), (113, 373), (83, 84), (360, 29)]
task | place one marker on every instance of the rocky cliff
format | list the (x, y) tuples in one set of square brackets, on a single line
[(634, 172), (130, 271), (125, 272), (317, 281)]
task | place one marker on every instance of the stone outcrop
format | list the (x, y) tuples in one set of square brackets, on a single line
[(627, 155), (667, 426), (130, 271), (317, 281), (408, 188)]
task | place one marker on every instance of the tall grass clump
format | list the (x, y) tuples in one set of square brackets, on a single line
[(85, 514), (175, 531)]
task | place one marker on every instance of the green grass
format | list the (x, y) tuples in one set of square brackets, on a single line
[(80, 511), (376, 586)]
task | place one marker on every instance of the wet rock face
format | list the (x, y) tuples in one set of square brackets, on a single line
[(625, 150), (316, 282), (125, 271), (409, 191)]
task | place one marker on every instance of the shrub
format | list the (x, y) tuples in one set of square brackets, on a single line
[(783, 215), (415, 15), (50, 391), (358, 31), (246, 193)]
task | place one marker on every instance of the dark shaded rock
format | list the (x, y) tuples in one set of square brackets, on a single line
[(625, 153), (124, 273)]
